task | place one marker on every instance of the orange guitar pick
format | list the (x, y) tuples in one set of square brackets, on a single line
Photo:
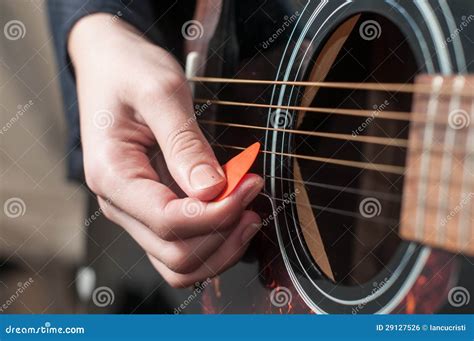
[(237, 167)]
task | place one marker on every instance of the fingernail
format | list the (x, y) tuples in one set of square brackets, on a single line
[(249, 232), (204, 176), (256, 188)]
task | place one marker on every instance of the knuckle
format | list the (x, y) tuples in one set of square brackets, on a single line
[(93, 178), (153, 88), (150, 90), (105, 208), (227, 220), (101, 171), (165, 233), (185, 142), (181, 262), (172, 80)]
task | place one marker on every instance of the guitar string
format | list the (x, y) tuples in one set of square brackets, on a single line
[(413, 117), (347, 213), (385, 87), (384, 168), (367, 86), (384, 141), (389, 115), (324, 209), (342, 189)]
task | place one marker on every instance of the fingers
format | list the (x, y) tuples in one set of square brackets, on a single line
[(167, 108), (172, 218), (180, 256), (225, 256), (190, 217), (195, 257)]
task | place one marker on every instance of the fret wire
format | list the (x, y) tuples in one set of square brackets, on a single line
[(428, 134), (446, 164), (465, 233)]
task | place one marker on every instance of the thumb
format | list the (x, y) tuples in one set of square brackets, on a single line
[(188, 155), (193, 165)]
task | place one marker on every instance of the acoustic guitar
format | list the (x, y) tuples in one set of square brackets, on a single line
[(365, 113)]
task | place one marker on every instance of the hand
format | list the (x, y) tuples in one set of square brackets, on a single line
[(132, 96)]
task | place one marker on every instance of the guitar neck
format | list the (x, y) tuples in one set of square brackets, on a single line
[(438, 200)]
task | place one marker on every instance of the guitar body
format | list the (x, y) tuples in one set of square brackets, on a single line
[(330, 240)]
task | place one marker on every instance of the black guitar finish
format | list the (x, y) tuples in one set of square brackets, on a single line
[(392, 41)]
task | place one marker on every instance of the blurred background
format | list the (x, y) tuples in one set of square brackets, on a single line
[(41, 232), (44, 243)]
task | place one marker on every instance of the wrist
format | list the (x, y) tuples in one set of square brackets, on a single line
[(97, 32)]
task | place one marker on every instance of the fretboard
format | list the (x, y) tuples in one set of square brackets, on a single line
[(438, 199)]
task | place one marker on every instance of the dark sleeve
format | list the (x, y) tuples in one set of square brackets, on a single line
[(148, 16)]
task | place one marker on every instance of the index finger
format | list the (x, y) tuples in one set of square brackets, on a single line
[(172, 218)]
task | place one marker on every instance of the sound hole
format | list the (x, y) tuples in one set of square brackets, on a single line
[(356, 210)]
